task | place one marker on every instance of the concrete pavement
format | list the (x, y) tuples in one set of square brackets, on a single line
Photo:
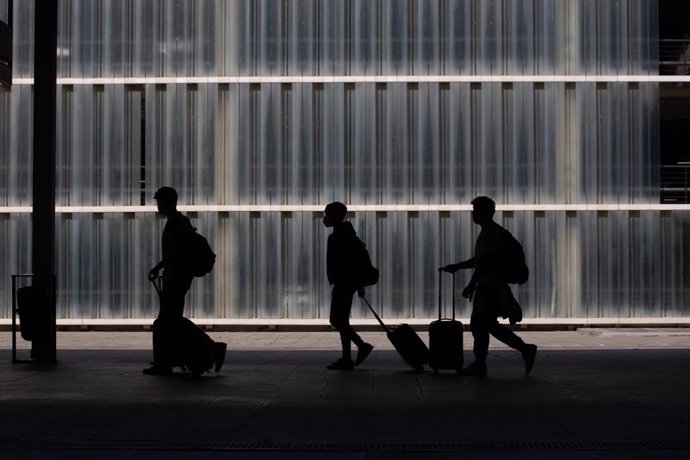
[(593, 394)]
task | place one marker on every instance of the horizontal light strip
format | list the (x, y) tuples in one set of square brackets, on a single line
[(367, 79), (362, 321), (354, 208)]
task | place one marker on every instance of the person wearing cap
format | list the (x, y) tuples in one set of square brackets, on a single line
[(177, 279), (341, 269), (489, 291)]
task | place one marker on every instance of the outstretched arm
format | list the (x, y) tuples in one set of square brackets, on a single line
[(452, 268), (468, 292)]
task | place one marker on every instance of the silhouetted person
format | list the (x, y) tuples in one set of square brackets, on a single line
[(489, 291), (177, 279), (341, 269)]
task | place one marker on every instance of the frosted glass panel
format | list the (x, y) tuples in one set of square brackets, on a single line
[(271, 265), (111, 38), (272, 141), (364, 143)]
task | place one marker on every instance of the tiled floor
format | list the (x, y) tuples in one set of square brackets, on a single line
[(592, 395)]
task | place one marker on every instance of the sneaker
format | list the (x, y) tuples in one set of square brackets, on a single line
[(529, 355), (158, 370), (197, 372), (219, 349), (342, 364), (363, 352), (473, 370)]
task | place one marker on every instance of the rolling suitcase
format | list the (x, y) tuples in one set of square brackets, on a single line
[(445, 337), (185, 345), (406, 341)]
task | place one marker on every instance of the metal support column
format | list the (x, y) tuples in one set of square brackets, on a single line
[(44, 135)]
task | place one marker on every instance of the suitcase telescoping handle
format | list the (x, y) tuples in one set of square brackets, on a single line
[(156, 284), (440, 290), (378, 318)]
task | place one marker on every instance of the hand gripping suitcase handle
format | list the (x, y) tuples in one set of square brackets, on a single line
[(440, 290)]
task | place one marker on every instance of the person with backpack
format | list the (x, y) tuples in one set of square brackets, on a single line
[(498, 260), (183, 252), (346, 258)]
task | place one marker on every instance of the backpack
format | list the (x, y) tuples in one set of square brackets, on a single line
[(515, 268), (367, 274), (200, 257)]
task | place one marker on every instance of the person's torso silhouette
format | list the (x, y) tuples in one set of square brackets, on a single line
[(174, 245), (489, 252), (340, 252)]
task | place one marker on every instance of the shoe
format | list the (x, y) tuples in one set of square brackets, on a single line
[(363, 352), (219, 349), (342, 365), (529, 355), (157, 369), (197, 372), (473, 370)]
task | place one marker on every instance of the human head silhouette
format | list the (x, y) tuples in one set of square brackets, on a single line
[(334, 213), (483, 209), (166, 199)]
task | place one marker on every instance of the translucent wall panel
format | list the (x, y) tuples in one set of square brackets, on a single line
[(16, 145), (15, 244), (289, 142), (4, 9), (272, 264), (111, 38), (368, 143), (363, 143)]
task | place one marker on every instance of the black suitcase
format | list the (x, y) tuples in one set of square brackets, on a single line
[(185, 344), (406, 341), (445, 337)]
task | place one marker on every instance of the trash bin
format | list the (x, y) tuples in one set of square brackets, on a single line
[(35, 307)]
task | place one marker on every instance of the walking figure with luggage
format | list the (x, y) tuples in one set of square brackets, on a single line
[(177, 341), (349, 270), (498, 260)]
